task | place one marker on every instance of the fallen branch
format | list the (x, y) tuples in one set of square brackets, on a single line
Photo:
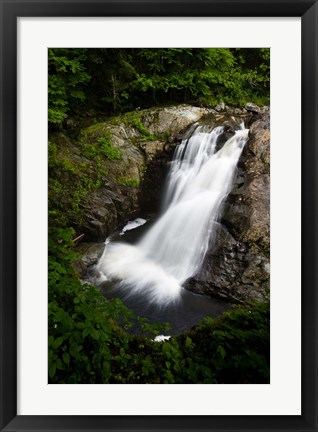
[(77, 239)]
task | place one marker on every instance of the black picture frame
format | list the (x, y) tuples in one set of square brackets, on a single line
[(10, 11)]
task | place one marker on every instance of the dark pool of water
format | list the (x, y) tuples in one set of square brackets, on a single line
[(182, 315)]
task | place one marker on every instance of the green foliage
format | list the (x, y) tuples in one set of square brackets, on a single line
[(187, 74), (128, 181), (137, 123), (81, 178), (254, 73), (87, 344), (55, 160), (101, 147), (117, 80), (235, 346), (82, 173), (88, 338), (67, 77), (82, 324), (107, 149)]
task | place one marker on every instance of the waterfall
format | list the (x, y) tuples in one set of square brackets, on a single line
[(173, 250)]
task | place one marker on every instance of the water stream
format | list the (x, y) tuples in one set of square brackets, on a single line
[(149, 275)]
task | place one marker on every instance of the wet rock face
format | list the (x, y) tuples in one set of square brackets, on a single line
[(172, 120), (100, 215), (104, 209), (233, 271), (237, 266), (90, 254), (143, 143), (153, 185)]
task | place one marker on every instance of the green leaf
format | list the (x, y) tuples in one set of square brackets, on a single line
[(86, 331), (66, 358), (221, 351), (94, 333), (188, 342), (52, 370), (57, 342)]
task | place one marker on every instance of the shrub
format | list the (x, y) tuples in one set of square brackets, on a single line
[(138, 124), (107, 149), (89, 339), (128, 181)]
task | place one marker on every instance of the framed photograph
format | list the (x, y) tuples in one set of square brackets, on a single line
[(156, 193)]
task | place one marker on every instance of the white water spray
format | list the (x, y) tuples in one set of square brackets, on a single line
[(174, 248)]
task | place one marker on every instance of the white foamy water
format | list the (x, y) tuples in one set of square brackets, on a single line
[(133, 225), (174, 248), (161, 338)]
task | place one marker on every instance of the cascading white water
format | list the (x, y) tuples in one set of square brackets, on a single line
[(173, 250)]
